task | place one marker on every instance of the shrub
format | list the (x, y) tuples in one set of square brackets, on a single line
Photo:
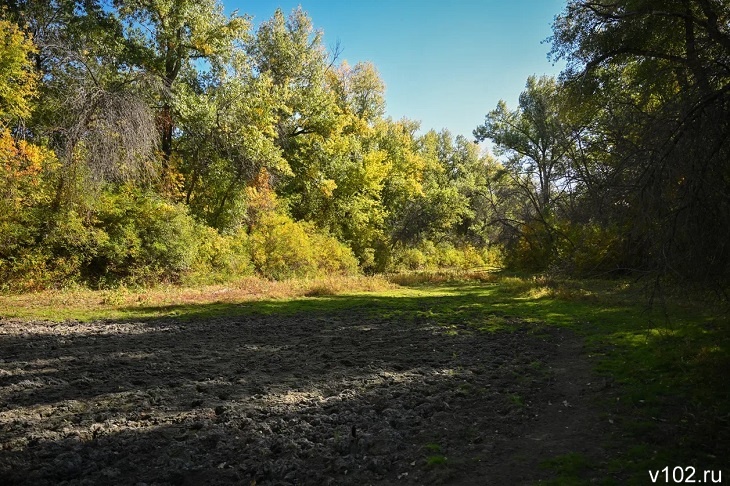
[(333, 257), (429, 256), (282, 248), (589, 248), (142, 239), (533, 249), (220, 257)]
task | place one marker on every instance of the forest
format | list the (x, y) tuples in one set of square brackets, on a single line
[(221, 262), (160, 141)]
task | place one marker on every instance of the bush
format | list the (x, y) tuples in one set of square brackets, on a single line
[(429, 256), (333, 257), (410, 259), (572, 248), (282, 248), (590, 248), (220, 257), (533, 249), (132, 237), (139, 238)]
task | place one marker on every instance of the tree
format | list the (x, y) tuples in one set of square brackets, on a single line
[(25, 168), (94, 110), (17, 77), (290, 52), (660, 71), (226, 140), (440, 207), (360, 90), (167, 36), (535, 141)]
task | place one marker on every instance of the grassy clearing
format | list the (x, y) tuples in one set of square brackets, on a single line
[(664, 370), (140, 303)]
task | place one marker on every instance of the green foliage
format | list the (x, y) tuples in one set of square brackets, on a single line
[(532, 249), (534, 140), (430, 256), (127, 237), (282, 248), (654, 75), (147, 238), (192, 150), (27, 176), (227, 141), (220, 258), (592, 248), (359, 91), (166, 37)]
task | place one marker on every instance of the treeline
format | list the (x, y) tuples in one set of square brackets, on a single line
[(623, 164), (161, 140)]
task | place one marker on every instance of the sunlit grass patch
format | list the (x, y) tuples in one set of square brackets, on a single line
[(132, 303), (487, 274)]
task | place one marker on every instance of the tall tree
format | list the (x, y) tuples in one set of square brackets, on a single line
[(290, 52), (360, 90), (226, 140), (93, 111), (661, 71), (534, 141), (167, 36)]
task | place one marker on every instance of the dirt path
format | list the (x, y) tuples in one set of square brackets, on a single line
[(323, 398)]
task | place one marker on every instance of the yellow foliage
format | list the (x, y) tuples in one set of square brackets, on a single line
[(327, 187), (282, 248), (22, 165), (260, 198), (172, 182), (17, 79), (377, 166)]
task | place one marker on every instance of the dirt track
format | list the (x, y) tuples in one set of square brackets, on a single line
[(318, 398)]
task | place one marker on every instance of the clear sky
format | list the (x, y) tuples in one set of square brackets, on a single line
[(445, 63)]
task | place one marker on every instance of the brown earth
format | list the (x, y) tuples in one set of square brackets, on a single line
[(318, 398)]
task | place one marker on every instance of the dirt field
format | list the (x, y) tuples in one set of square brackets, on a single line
[(331, 397)]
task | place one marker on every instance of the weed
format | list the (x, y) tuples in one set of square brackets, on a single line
[(517, 400), (432, 447), (436, 460), (139, 303), (537, 365)]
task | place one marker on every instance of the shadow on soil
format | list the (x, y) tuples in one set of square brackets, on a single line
[(455, 385)]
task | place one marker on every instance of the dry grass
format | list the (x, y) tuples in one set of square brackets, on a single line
[(85, 304), (487, 274)]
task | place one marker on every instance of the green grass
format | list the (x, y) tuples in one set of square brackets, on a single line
[(569, 469), (435, 457), (517, 400), (432, 447), (436, 460), (665, 370)]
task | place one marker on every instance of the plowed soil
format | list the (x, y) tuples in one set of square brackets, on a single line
[(331, 397)]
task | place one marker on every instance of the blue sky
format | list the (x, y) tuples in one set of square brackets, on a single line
[(445, 63)]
